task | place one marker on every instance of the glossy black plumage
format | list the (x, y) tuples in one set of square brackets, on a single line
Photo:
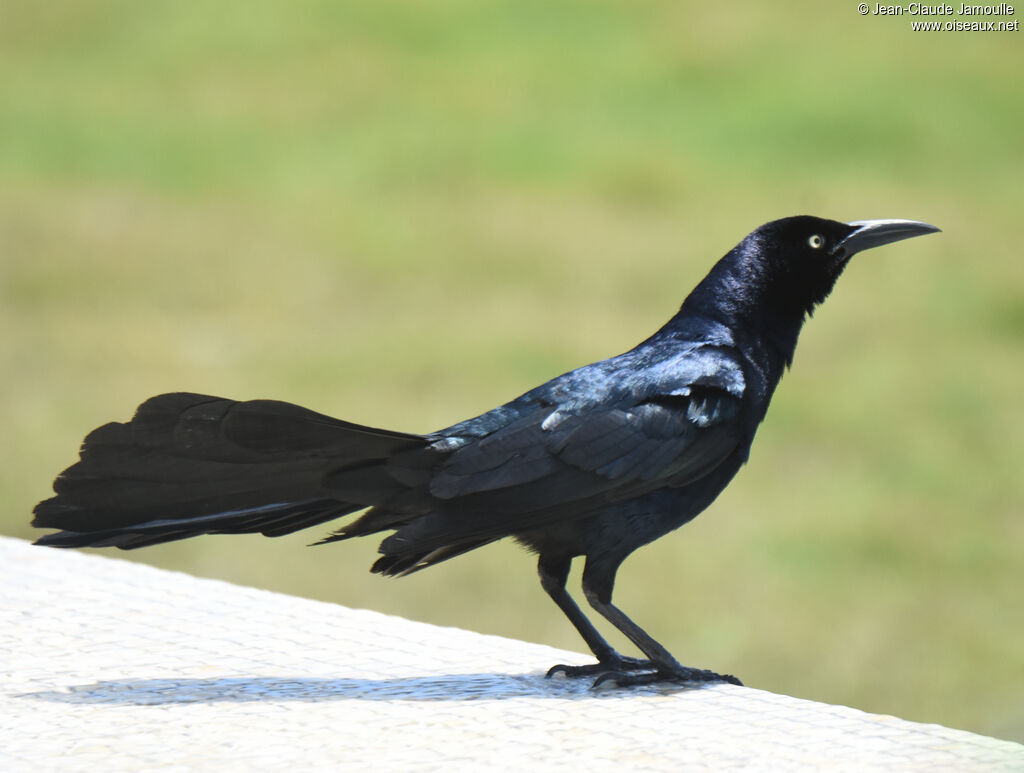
[(594, 463)]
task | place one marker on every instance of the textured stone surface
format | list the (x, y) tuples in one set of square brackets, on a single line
[(114, 666)]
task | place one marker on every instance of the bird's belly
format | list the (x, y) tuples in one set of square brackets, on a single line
[(621, 527)]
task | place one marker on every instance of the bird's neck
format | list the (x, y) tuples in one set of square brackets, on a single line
[(765, 324)]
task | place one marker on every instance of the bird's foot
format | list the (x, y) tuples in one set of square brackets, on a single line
[(617, 664), (683, 674), (627, 672)]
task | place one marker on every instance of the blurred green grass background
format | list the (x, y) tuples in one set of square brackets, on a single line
[(404, 213)]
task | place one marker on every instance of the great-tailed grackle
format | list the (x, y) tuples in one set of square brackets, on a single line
[(595, 462)]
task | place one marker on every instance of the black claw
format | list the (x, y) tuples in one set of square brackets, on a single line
[(626, 678), (703, 675), (616, 665), (628, 672), (687, 676)]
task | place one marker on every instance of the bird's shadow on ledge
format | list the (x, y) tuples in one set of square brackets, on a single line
[(243, 689)]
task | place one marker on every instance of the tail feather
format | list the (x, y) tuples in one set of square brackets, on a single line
[(406, 563), (191, 464), (273, 520)]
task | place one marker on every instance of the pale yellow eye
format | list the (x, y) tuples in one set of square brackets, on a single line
[(817, 242)]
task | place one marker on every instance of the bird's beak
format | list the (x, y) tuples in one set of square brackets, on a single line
[(875, 233)]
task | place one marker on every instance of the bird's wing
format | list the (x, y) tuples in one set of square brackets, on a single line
[(669, 428), (605, 433)]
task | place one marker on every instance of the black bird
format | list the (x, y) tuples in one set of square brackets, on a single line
[(594, 463)]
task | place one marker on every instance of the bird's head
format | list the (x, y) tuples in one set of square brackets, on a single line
[(787, 267), (772, 280), (796, 261)]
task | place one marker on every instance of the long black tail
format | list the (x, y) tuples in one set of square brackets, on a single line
[(190, 464)]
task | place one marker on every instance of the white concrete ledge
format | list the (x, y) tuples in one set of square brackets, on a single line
[(113, 666)]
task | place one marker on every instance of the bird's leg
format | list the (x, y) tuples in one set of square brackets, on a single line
[(661, 666), (553, 576)]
